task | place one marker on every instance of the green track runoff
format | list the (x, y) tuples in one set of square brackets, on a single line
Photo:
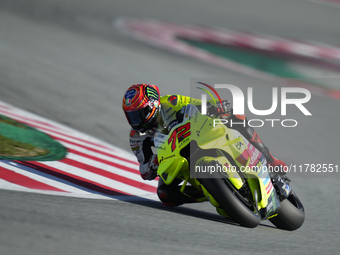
[(272, 64), (24, 143)]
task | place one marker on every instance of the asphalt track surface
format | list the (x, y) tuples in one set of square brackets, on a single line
[(64, 60)]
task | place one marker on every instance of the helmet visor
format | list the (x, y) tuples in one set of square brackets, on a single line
[(138, 117)]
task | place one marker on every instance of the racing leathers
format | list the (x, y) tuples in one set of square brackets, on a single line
[(142, 144)]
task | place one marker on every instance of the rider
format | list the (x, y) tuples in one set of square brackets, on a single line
[(141, 105)]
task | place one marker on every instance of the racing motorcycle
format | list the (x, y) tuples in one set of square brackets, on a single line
[(222, 164)]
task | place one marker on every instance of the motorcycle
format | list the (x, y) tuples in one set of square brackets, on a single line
[(222, 164)]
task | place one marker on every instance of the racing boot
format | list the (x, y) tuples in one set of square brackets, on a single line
[(170, 195)]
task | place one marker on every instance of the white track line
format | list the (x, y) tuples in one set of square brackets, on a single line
[(37, 176), (101, 156), (96, 178), (111, 169)]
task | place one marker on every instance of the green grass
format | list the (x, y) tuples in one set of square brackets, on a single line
[(11, 148), (11, 122)]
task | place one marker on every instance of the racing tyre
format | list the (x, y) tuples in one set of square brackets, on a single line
[(291, 214), (228, 200)]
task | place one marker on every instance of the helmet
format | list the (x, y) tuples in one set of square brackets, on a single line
[(141, 106)]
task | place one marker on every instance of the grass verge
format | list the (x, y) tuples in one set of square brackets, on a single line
[(9, 147)]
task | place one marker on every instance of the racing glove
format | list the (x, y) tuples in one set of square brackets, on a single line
[(275, 166), (148, 171), (222, 110)]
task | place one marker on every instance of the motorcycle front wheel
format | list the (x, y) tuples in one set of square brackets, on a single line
[(230, 200), (291, 214)]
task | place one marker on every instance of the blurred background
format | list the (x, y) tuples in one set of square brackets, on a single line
[(66, 60)]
